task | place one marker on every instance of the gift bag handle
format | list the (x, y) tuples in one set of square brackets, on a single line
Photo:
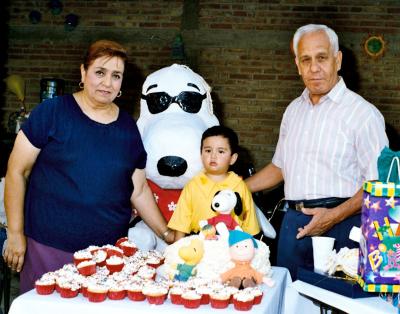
[(391, 167)]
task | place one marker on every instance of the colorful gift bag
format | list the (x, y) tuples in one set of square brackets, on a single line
[(379, 257)]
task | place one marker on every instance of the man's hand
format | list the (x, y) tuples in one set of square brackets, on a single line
[(321, 222)]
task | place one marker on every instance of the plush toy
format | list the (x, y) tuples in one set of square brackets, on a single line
[(175, 109), (191, 255), (242, 248), (224, 202), (208, 232)]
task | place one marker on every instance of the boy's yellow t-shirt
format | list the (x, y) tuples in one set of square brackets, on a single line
[(195, 204)]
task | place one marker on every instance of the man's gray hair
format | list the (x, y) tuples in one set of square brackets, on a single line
[(311, 28)]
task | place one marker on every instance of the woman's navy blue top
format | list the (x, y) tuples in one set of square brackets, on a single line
[(79, 190)]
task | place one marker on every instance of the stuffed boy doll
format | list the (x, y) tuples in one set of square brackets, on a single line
[(242, 247)]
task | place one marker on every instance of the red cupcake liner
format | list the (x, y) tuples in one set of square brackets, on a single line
[(116, 295), (136, 295), (154, 265), (44, 289), (191, 304), (87, 270), (96, 296), (242, 306), (205, 299), (112, 252), (175, 298), (257, 299), (128, 250), (157, 300), (68, 292), (115, 268), (219, 304), (84, 291), (120, 240)]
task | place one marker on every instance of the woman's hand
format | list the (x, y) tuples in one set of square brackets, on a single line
[(143, 201), (14, 253), (20, 163)]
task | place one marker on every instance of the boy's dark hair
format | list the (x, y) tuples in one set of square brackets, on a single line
[(220, 130)]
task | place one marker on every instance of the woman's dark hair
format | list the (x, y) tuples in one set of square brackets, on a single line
[(104, 48), (220, 130)]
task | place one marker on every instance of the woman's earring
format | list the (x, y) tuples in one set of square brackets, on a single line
[(81, 85), (119, 93)]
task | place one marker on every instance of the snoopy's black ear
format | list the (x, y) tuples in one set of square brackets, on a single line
[(238, 207), (211, 202)]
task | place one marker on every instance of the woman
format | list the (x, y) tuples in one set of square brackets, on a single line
[(85, 162)]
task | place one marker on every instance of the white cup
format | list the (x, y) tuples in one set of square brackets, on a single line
[(322, 248)]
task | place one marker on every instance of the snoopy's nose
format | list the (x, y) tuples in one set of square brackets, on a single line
[(172, 166), (216, 205)]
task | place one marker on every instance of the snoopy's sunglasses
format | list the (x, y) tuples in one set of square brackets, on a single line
[(188, 101)]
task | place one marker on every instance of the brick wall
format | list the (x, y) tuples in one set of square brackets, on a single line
[(240, 47)]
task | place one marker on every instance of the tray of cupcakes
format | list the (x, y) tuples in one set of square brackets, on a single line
[(121, 271)]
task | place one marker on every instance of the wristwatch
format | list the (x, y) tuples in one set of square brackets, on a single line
[(165, 234)]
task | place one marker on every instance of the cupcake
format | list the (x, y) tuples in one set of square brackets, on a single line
[(100, 257), (114, 251), (191, 299), (232, 291), (243, 300), (153, 261), (155, 293), (114, 264), (120, 240), (117, 291), (68, 289), (220, 299), (87, 268), (134, 291), (81, 256), (84, 288), (257, 293), (175, 294), (128, 247), (45, 285), (158, 255), (96, 292), (147, 272), (204, 291)]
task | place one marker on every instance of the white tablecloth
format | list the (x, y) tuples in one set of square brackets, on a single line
[(30, 302), (372, 305)]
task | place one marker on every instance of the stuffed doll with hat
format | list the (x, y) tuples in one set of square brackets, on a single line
[(242, 248)]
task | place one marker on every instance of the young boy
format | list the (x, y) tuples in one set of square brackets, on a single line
[(219, 147)]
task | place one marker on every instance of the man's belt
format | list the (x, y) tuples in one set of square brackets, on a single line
[(328, 202)]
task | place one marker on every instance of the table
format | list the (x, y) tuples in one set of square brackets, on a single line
[(372, 305), (31, 302)]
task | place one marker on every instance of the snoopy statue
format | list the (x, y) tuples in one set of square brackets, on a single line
[(175, 109)]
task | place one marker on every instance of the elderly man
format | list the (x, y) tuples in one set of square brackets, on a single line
[(329, 141)]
